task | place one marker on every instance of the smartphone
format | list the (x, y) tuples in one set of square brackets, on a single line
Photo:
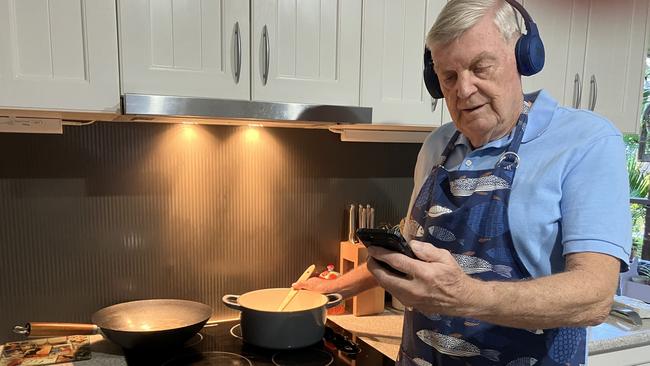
[(387, 240)]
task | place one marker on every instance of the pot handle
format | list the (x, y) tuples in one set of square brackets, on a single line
[(231, 301), (334, 299), (40, 329)]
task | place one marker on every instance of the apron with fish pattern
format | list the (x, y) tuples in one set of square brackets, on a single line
[(465, 212)]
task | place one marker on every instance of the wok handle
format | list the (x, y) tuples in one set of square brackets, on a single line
[(231, 301), (37, 329), (334, 299)]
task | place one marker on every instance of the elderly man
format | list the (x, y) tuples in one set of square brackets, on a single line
[(519, 216)]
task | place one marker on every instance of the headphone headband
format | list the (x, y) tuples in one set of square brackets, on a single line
[(524, 13)]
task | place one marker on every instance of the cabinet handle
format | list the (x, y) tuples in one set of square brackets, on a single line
[(434, 104), (594, 93), (237, 53), (267, 54), (577, 91)]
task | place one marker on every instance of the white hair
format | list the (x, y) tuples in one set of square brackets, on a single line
[(460, 15)]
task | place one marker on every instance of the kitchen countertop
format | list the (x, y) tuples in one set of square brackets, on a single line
[(383, 331)]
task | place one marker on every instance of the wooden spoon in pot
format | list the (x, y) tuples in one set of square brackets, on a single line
[(292, 293)]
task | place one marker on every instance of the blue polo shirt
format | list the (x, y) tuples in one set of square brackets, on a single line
[(570, 193)]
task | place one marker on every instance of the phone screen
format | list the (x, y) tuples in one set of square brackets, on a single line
[(385, 239), (388, 240)]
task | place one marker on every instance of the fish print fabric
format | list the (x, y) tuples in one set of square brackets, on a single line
[(466, 212), (464, 187), (471, 265)]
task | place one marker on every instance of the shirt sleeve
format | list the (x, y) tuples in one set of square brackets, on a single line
[(595, 203)]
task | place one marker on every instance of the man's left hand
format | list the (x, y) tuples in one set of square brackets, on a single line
[(435, 283)]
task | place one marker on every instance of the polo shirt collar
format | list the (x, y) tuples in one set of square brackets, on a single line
[(539, 118)]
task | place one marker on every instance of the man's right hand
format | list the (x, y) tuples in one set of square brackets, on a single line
[(348, 285), (315, 284)]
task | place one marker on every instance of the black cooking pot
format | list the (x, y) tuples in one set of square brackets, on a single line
[(156, 323), (300, 324)]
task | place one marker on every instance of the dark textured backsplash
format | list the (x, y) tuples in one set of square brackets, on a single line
[(114, 212)]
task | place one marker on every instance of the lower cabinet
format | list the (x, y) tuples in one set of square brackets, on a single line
[(637, 356)]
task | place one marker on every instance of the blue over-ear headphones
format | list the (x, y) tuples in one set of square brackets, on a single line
[(529, 53)]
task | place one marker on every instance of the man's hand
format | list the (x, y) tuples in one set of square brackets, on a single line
[(435, 282), (348, 285), (579, 296), (315, 284)]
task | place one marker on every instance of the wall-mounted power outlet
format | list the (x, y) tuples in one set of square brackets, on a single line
[(31, 125)]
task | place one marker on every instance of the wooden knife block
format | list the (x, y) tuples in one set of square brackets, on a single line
[(370, 301)]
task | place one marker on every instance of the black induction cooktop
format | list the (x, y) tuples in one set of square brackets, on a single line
[(222, 345)]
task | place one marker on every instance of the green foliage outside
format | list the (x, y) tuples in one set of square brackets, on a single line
[(639, 172), (639, 184)]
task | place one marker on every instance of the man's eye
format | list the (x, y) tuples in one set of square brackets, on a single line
[(449, 78), (481, 70)]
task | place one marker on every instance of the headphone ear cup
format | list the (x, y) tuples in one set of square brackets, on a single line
[(430, 77), (530, 55)]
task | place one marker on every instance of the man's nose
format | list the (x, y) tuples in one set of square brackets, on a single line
[(466, 86)]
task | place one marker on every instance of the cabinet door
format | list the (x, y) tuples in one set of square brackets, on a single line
[(615, 60), (194, 48), (59, 55), (561, 25), (394, 33), (306, 51), (635, 356)]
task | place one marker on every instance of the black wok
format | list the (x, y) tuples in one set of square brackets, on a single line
[(154, 323)]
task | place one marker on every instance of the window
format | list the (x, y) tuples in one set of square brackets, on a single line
[(638, 167)]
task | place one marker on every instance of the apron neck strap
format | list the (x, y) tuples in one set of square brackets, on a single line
[(512, 150)]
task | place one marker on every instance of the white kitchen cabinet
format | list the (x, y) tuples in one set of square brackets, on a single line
[(555, 29), (196, 48), (394, 33), (59, 55), (306, 51), (600, 64), (615, 61)]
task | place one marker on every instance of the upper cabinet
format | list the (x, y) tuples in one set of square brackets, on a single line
[(63, 54), (595, 55), (59, 55), (306, 51), (555, 30), (614, 65), (394, 33), (197, 48)]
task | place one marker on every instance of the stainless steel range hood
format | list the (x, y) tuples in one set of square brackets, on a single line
[(205, 108)]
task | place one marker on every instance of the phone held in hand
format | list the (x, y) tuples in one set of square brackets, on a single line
[(387, 240)]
